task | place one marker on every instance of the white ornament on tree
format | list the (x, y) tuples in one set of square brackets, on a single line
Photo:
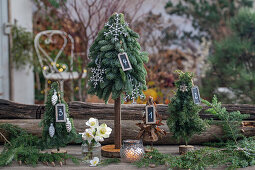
[(183, 88), (51, 130), (97, 74), (116, 29), (68, 125), (135, 92), (54, 98)]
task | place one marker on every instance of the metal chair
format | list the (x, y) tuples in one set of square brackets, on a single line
[(50, 67)]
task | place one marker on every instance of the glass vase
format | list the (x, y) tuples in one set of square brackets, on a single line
[(89, 152)]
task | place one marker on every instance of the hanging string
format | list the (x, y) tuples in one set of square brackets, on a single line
[(97, 61), (59, 95)]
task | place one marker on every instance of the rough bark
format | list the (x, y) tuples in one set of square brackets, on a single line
[(81, 110), (130, 130)]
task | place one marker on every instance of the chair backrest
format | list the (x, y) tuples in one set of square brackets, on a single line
[(49, 64)]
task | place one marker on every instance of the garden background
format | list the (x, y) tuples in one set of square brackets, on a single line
[(213, 39)]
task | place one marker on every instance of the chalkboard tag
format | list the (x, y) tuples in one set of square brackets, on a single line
[(60, 110), (150, 114), (124, 61), (196, 95)]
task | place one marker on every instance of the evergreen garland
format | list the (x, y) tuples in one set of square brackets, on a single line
[(61, 136), (116, 37), (231, 157), (184, 120), (109, 161), (154, 157), (26, 148)]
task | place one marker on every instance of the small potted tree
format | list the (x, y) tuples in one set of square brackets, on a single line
[(184, 120), (58, 129)]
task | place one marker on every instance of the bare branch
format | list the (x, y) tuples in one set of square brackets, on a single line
[(91, 16)]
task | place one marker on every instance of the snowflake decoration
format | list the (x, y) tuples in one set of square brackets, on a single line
[(116, 29), (183, 88), (97, 75), (135, 92)]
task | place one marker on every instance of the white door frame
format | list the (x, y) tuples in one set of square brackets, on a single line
[(4, 52)]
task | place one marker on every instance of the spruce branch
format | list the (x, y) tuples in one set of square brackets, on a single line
[(230, 120)]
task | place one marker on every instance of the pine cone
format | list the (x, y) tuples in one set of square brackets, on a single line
[(68, 125)]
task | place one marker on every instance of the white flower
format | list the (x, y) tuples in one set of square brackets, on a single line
[(92, 122), (99, 138), (88, 135), (94, 161), (104, 131)]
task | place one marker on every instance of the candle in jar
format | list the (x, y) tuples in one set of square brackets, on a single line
[(132, 155)]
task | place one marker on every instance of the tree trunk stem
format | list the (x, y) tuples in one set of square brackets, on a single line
[(117, 123)]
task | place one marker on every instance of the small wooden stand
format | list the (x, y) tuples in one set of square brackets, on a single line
[(54, 151), (149, 149), (183, 149), (109, 151)]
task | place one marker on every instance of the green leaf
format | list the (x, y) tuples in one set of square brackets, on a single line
[(107, 47), (110, 76)]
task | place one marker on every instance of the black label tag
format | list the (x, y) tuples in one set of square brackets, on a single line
[(124, 61), (60, 112), (196, 95), (150, 114)]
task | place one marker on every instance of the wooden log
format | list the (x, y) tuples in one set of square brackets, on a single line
[(109, 151), (81, 110), (130, 130), (12, 110)]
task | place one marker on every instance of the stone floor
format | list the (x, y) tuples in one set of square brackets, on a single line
[(75, 150)]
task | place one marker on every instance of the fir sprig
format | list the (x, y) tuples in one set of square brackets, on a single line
[(109, 161), (26, 148), (231, 121), (231, 157), (154, 157)]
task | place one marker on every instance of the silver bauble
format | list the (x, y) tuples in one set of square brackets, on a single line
[(51, 130), (68, 125), (54, 98)]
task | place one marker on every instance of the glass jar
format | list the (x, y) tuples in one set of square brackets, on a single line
[(132, 150), (89, 152)]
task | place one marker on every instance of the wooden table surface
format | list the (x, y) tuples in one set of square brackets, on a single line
[(76, 151)]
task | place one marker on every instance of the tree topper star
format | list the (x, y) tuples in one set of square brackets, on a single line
[(183, 88)]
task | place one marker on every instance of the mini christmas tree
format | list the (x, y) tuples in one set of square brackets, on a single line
[(108, 74), (56, 134), (184, 120)]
